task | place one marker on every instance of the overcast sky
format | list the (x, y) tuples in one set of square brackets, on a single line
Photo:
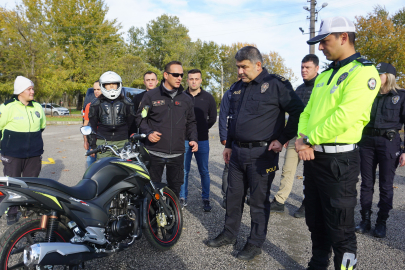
[(271, 25)]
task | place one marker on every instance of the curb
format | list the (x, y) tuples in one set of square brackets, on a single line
[(64, 123)]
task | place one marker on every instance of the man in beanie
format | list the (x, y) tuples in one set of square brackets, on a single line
[(22, 121)]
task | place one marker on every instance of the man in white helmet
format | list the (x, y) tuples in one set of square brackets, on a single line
[(111, 114)]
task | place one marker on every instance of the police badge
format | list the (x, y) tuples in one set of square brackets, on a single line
[(37, 114), (372, 83), (342, 78), (265, 86), (395, 99)]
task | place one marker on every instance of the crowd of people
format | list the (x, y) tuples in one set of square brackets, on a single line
[(342, 123)]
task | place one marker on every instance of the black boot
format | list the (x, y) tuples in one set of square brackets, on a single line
[(365, 224), (380, 229)]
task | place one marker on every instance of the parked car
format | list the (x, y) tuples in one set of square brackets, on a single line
[(54, 109), (126, 91)]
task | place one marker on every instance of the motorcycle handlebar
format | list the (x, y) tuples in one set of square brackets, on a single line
[(94, 151)]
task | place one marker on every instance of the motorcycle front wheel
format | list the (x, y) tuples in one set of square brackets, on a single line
[(25, 233), (162, 231)]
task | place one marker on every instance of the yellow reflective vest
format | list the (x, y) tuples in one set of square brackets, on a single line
[(21, 128), (340, 103)]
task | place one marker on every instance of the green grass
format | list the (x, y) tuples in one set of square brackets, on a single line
[(74, 111), (77, 118)]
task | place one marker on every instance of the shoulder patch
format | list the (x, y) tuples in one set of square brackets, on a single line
[(365, 62), (372, 83)]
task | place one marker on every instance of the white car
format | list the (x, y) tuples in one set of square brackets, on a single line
[(54, 109)]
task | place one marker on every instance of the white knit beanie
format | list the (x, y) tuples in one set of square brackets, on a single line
[(21, 83)]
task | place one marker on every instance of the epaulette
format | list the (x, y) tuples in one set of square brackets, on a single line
[(95, 102), (365, 62), (9, 101), (281, 78)]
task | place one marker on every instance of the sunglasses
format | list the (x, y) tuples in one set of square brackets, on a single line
[(176, 74)]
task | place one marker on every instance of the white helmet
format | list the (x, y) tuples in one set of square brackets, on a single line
[(110, 77)]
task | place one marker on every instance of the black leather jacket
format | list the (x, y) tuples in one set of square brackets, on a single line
[(304, 90)]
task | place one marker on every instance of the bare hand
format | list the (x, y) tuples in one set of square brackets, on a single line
[(92, 155), (275, 146), (154, 137), (223, 142), (402, 160), (227, 155), (300, 145), (286, 144), (307, 154), (86, 145), (194, 146)]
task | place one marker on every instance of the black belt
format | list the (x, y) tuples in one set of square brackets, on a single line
[(250, 144), (378, 131)]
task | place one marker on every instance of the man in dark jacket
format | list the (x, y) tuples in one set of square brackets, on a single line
[(169, 123), (309, 72), (150, 81), (205, 111)]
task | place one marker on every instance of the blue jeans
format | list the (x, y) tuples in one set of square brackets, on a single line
[(90, 160), (201, 157)]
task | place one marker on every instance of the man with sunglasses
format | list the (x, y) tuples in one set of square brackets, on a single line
[(170, 122)]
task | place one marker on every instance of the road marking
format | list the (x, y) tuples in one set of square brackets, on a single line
[(50, 161)]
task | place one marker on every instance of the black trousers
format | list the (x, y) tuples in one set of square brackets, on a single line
[(378, 150), (174, 171), (255, 169), (21, 167), (330, 197)]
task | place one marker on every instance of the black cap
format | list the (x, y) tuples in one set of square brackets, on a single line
[(386, 68)]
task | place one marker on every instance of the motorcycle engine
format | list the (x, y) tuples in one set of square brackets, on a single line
[(120, 228), (120, 224)]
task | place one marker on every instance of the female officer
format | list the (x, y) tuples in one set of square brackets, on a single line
[(380, 144), (22, 121)]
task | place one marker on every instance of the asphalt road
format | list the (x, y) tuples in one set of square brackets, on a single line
[(287, 245)]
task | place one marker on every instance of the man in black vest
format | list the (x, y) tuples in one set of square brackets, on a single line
[(111, 115)]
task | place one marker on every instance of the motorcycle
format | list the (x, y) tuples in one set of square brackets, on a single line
[(112, 206)]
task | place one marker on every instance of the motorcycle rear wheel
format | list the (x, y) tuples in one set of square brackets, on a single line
[(24, 233), (164, 238)]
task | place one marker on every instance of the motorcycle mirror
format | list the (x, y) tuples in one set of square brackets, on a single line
[(86, 130), (145, 111)]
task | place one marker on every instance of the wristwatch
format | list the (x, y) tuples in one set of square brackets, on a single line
[(306, 141)]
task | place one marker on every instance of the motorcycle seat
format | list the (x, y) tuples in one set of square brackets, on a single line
[(86, 189)]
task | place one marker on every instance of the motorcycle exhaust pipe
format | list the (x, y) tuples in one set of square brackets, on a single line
[(58, 254)]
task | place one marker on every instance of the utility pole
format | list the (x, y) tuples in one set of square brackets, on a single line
[(312, 20), (222, 81), (313, 17)]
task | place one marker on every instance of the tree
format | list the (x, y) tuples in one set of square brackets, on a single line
[(379, 39)]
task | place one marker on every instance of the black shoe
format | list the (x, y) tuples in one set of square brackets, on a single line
[(221, 240), (207, 207), (300, 212), (275, 206), (380, 229), (249, 252), (365, 223), (224, 203)]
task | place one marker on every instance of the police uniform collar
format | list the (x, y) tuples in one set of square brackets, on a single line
[(310, 82), (344, 62), (29, 103), (261, 76)]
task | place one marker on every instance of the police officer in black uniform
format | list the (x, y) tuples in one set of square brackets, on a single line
[(381, 145), (256, 134)]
